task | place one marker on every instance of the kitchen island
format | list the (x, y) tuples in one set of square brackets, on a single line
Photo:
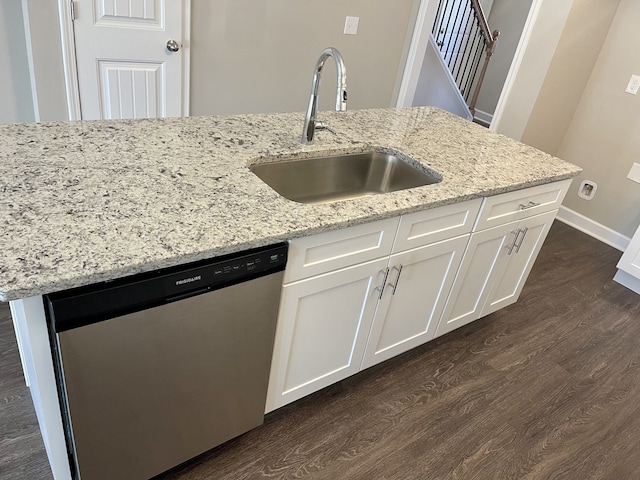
[(88, 202)]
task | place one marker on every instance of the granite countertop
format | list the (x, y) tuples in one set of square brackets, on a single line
[(85, 202)]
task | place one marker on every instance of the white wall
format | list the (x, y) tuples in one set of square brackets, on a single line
[(541, 37), (15, 98), (436, 86), (508, 17), (249, 56), (47, 69), (603, 136)]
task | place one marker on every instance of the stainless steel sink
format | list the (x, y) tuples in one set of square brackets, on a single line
[(330, 178)]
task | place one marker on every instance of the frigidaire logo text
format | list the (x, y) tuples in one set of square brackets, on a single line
[(189, 280)]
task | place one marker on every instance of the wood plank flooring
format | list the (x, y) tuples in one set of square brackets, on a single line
[(548, 388)]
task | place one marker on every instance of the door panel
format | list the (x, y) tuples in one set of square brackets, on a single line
[(144, 12), (124, 67), (132, 90)]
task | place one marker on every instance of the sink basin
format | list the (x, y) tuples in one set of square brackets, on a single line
[(330, 178)]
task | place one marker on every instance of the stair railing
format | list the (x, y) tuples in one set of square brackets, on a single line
[(463, 36)]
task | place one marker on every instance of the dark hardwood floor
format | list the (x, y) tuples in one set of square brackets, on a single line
[(548, 388)]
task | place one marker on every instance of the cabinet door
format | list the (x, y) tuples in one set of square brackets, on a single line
[(414, 297), (630, 261), (531, 235), (322, 330), (485, 259)]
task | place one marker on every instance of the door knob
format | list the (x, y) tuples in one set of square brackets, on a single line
[(172, 46)]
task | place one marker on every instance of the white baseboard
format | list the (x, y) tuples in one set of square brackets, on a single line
[(483, 117), (593, 228)]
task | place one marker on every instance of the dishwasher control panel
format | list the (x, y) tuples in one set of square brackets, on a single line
[(225, 272), (94, 303)]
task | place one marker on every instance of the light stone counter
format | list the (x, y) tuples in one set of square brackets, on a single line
[(84, 202)]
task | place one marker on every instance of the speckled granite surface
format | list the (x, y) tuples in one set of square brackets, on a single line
[(84, 202)]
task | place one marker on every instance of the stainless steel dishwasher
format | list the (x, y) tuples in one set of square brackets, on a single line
[(158, 368)]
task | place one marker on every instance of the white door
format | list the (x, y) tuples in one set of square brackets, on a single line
[(125, 69)]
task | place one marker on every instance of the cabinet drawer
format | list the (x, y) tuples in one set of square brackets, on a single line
[(430, 226), (317, 254), (520, 204)]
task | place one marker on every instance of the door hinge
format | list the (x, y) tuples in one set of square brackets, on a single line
[(74, 10)]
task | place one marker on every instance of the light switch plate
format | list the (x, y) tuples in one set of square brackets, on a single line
[(351, 25), (634, 173)]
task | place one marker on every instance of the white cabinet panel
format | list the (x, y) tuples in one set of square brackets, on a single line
[(322, 330), (494, 270), (630, 261), (317, 254), (430, 226), (629, 265), (506, 290), (508, 207), (408, 314), (483, 261)]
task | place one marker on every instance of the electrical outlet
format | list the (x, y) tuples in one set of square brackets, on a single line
[(351, 27), (634, 85), (587, 190)]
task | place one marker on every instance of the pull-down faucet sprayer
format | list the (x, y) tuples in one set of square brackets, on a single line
[(310, 122)]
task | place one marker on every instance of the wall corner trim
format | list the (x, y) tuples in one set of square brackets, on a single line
[(594, 229)]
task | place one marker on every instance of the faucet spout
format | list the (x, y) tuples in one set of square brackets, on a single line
[(310, 122)]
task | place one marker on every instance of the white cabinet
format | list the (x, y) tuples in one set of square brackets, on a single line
[(507, 238), (355, 297), (529, 237), (413, 300), (325, 321), (629, 265), (322, 330)]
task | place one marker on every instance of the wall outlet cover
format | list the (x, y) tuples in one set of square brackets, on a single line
[(634, 173), (634, 85), (587, 190)]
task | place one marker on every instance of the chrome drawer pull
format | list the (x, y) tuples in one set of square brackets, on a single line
[(383, 284), (513, 244), (524, 234), (529, 205), (395, 285)]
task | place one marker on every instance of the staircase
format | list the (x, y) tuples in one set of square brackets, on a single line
[(462, 35)]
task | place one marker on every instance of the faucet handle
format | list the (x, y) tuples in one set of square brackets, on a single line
[(324, 126)]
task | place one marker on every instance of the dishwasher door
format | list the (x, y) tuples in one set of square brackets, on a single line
[(149, 390)]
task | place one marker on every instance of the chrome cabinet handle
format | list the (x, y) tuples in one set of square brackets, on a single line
[(524, 234), (395, 285), (324, 126), (172, 46), (522, 206), (513, 244), (383, 284)]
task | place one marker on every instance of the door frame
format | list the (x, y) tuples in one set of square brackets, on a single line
[(422, 31), (65, 9)]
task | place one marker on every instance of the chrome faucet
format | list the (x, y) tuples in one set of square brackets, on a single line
[(310, 122)]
